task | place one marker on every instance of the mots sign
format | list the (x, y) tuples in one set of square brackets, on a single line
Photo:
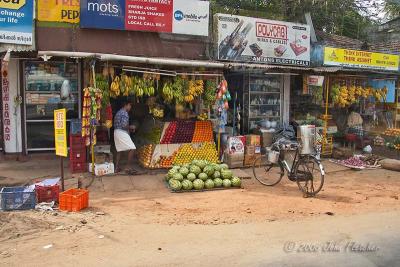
[(12, 4)]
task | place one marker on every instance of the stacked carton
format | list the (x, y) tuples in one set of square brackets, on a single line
[(252, 149)]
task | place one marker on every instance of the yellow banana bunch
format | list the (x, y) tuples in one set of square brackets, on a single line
[(115, 87), (167, 92)]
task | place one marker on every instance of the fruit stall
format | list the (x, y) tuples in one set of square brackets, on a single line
[(176, 113)]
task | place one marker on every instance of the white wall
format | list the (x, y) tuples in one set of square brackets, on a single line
[(14, 145)]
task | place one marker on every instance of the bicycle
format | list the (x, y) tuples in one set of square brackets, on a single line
[(304, 169)]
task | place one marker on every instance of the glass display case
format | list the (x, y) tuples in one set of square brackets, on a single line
[(262, 100), (48, 86)]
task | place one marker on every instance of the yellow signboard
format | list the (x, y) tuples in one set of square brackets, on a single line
[(60, 132), (12, 4), (360, 59), (59, 10)]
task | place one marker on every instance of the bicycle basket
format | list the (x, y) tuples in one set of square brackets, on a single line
[(273, 156)]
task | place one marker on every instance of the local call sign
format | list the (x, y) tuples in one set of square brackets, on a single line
[(172, 16)]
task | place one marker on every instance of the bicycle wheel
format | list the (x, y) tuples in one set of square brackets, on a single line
[(266, 173), (309, 174)]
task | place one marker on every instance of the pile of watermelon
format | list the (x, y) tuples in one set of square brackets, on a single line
[(201, 175)]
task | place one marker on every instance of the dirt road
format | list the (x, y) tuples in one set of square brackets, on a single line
[(136, 221)]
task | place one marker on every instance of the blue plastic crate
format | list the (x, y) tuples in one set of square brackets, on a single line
[(17, 198), (76, 127)]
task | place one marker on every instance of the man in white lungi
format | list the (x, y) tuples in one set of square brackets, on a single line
[(122, 139)]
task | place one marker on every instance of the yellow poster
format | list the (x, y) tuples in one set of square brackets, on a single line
[(60, 132), (360, 59), (58, 10)]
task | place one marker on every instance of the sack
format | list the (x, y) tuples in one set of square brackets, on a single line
[(390, 164), (285, 131)]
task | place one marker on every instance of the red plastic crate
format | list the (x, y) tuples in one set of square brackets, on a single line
[(78, 155), (47, 193), (76, 142), (74, 200), (78, 166)]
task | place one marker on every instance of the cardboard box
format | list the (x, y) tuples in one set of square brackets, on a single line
[(250, 150), (257, 150), (249, 160), (102, 169), (234, 160), (253, 139), (267, 138), (236, 144)]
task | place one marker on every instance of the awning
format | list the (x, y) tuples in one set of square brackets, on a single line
[(134, 59)]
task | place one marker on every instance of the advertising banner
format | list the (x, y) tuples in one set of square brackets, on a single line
[(16, 20), (263, 41), (360, 59), (170, 16), (58, 10), (60, 132)]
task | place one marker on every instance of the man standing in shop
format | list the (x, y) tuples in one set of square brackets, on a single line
[(122, 139)]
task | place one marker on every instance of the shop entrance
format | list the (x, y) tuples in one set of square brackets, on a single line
[(48, 86)]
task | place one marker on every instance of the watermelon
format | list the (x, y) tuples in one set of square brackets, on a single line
[(184, 171), (202, 164), (226, 174), (209, 184), (216, 167), (191, 177), (217, 182), (175, 185), (203, 176), (177, 176), (217, 174), (236, 182), (187, 185), (195, 169), (224, 166), (171, 172), (167, 178), (198, 184), (227, 183), (187, 165), (209, 170)]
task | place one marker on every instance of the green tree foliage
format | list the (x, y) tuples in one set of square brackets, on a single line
[(392, 9)]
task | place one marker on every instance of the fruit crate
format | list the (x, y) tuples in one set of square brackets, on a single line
[(76, 142), (47, 193), (78, 155), (17, 198), (74, 199), (77, 166)]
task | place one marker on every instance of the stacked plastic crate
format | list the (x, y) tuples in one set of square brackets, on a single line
[(77, 147)]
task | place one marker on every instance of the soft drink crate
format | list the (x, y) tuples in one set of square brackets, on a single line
[(47, 193), (17, 198), (76, 141), (78, 155), (77, 167), (74, 199)]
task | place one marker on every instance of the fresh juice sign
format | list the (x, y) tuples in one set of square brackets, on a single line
[(360, 59)]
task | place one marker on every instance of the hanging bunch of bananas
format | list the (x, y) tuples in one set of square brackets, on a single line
[(380, 94), (351, 95), (210, 95), (195, 88), (157, 112), (359, 91), (167, 92), (115, 87), (102, 84), (125, 84), (335, 93), (148, 86), (178, 88), (343, 96)]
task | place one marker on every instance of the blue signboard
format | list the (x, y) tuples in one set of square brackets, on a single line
[(390, 85), (16, 20), (103, 14)]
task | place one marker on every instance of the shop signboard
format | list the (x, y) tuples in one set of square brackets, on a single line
[(263, 41), (58, 10), (60, 132), (189, 17), (16, 20), (360, 59)]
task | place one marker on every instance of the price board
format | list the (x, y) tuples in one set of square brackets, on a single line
[(60, 132)]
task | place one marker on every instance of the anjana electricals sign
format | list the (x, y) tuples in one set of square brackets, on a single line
[(16, 20)]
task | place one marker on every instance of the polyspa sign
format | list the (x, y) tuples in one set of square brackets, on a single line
[(189, 17)]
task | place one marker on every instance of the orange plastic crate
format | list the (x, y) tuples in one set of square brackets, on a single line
[(74, 199)]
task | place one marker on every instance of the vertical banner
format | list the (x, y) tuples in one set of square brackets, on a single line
[(58, 10), (5, 87), (16, 20), (60, 132)]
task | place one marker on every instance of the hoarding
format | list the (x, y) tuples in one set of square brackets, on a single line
[(263, 41), (16, 20), (189, 17), (60, 132), (360, 59), (58, 10)]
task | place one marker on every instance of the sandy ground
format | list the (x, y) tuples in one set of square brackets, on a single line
[(136, 221)]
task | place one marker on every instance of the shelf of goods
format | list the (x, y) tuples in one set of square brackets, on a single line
[(180, 142)]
